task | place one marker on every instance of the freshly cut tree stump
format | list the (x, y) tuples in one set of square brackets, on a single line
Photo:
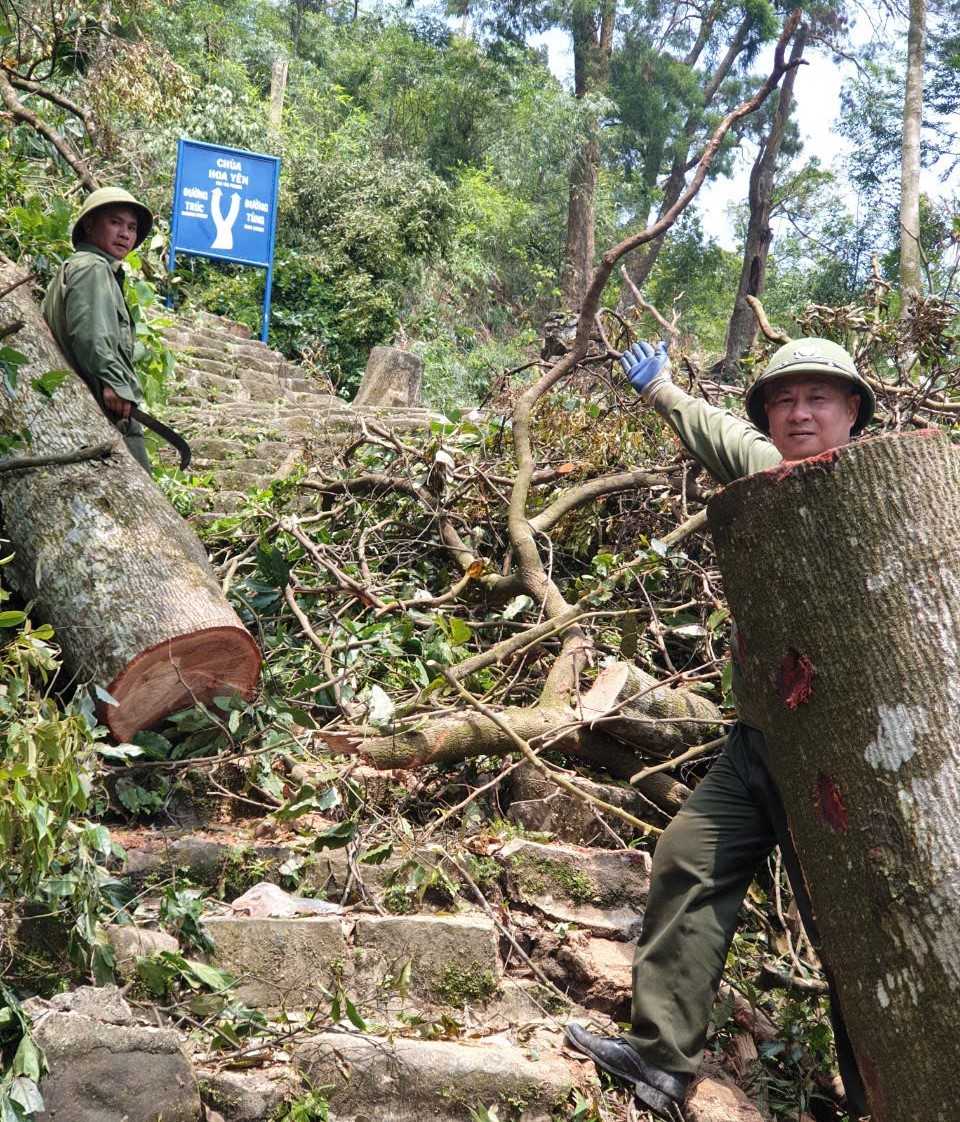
[(635, 708), (843, 573), (101, 554)]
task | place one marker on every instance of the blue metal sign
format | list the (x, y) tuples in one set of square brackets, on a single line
[(225, 206)]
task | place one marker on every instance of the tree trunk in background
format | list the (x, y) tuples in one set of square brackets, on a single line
[(102, 555), (743, 327), (843, 573), (910, 280), (641, 266), (592, 33), (278, 86)]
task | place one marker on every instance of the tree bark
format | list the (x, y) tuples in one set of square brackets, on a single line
[(592, 33), (278, 86), (743, 327), (103, 557), (843, 572), (910, 256), (64, 146), (466, 735)]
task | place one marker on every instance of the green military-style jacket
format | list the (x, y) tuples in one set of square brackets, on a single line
[(728, 447), (88, 315)]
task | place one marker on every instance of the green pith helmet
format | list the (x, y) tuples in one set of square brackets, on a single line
[(104, 196), (811, 356)]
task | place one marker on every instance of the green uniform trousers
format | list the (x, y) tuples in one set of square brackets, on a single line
[(703, 865)]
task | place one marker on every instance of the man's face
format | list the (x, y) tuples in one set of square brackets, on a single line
[(112, 228), (809, 414)]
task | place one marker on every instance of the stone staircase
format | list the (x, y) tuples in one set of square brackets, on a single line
[(452, 1010), (252, 417)]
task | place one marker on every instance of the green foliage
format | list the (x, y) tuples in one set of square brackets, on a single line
[(311, 1107), (23, 1065), (693, 270), (52, 853)]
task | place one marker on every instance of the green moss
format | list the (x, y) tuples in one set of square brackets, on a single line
[(484, 870), (543, 874), (549, 1000), (460, 985)]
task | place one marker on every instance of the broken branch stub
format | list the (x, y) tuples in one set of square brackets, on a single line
[(104, 558), (843, 573)]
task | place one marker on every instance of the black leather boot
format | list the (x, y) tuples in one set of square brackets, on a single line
[(653, 1088)]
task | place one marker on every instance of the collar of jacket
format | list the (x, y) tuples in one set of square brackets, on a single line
[(115, 264)]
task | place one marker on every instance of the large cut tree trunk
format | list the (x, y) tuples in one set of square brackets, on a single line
[(102, 555), (843, 573)]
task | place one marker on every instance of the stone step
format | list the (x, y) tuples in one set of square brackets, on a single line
[(301, 963), (399, 1079), (213, 322), (267, 362)]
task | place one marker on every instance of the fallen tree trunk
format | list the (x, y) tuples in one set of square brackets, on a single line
[(634, 708), (102, 556), (843, 573), (466, 735)]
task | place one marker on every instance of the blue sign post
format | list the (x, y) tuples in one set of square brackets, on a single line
[(225, 206)]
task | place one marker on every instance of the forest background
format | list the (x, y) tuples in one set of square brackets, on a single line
[(442, 190)]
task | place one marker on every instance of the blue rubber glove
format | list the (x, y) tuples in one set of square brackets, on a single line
[(642, 363)]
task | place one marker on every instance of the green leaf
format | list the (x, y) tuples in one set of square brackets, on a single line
[(517, 605), (119, 751), (28, 1060), (378, 854), (353, 1016), (273, 565), (47, 384), (460, 632), (155, 746), (715, 619), (209, 976), (101, 695), (155, 973), (26, 1092), (12, 619), (380, 708), (337, 836)]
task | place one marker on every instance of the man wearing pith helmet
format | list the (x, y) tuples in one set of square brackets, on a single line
[(809, 399), (87, 313)]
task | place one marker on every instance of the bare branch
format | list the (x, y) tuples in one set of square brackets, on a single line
[(67, 150)]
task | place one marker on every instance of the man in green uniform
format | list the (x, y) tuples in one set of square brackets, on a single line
[(809, 399), (87, 313)]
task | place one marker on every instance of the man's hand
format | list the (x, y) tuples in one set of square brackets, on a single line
[(114, 403), (642, 363)]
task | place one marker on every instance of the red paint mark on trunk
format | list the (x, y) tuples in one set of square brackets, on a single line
[(873, 1083), (795, 679), (828, 803), (739, 649)]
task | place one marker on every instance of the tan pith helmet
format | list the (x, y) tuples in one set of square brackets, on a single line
[(104, 196), (811, 356)]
